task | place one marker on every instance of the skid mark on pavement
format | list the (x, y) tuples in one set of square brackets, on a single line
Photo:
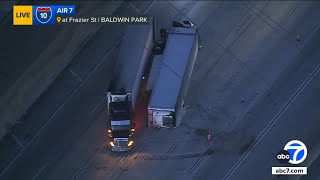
[(177, 156)]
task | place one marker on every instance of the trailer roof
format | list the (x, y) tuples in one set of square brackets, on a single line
[(154, 71), (175, 59), (131, 51)]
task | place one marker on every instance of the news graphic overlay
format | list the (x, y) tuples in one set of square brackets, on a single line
[(58, 15), (294, 152), (48, 15), (41, 15), (297, 150), (103, 19), (58, 19), (22, 15), (283, 156)]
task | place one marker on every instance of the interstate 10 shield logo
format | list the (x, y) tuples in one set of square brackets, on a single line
[(43, 14), (294, 152)]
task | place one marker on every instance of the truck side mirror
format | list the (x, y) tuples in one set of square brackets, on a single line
[(187, 24), (177, 24)]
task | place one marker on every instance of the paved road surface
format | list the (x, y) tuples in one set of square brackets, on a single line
[(28, 41), (52, 140), (32, 41), (66, 85), (32, 74), (258, 118), (297, 121)]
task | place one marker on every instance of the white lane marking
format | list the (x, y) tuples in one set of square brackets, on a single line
[(40, 170), (102, 100), (288, 14), (135, 8), (75, 75), (170, 151), (194, 166), (150, 5), (16, 139)]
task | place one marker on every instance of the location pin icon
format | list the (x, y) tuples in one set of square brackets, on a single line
[(58, 19)]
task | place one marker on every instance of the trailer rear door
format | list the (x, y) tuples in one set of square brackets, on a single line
[(162, 119)]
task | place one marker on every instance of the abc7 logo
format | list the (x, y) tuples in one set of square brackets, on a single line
[(295, 152), (283, 156)]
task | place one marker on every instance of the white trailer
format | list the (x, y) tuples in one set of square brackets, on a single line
[(165, 108), (154, 71), (135, 49)]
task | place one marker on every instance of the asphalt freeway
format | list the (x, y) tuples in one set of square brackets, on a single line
[(29, 46), (248, 49), (14, 64), (25, 78), (51, 140), (66, 86), (296, 121)]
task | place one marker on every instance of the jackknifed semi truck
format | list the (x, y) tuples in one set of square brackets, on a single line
[(166, 105), (134, 52)]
